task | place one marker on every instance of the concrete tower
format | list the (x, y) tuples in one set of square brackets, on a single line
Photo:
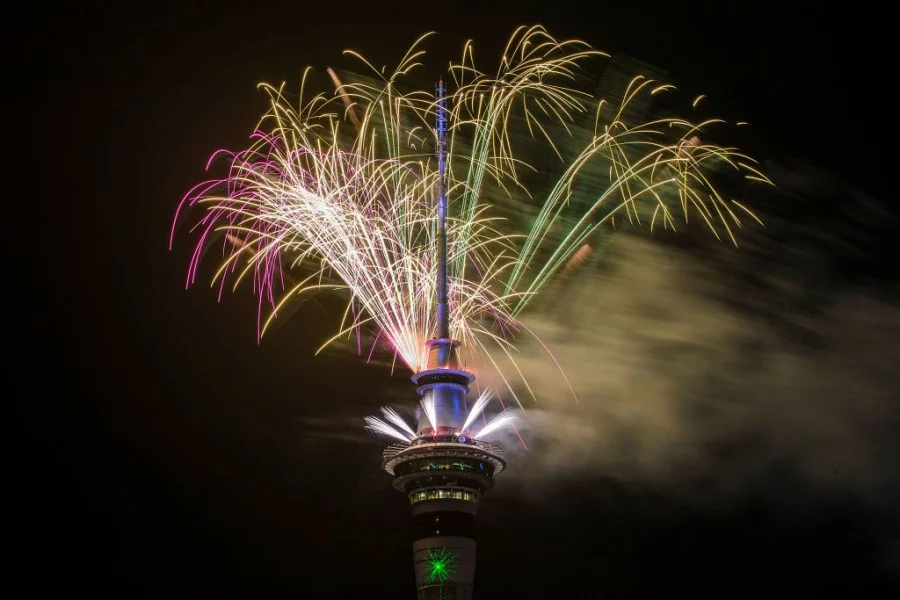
[(443, 472)]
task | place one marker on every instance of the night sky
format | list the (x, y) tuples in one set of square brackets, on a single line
[(159, 452)]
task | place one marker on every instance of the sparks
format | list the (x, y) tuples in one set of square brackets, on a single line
[(335, 192), (394, 426)]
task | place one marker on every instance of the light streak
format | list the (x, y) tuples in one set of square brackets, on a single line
[(499, 422), (376, 425), (477, 408), (397, 420), (430, 411)]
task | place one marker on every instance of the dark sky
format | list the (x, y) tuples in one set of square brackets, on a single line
[(164, 454)]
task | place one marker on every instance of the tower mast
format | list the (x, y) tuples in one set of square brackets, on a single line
[(443, 305), (442, 349)]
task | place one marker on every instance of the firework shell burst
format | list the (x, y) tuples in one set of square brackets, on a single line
[(339, 187)]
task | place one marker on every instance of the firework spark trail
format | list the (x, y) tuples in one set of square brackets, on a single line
[(392, 416), (430, 411), (340, 187), (477, 408), (396, 427), (496, 424), (380, 427)]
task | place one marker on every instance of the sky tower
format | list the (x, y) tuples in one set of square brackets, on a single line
[(443, 471)]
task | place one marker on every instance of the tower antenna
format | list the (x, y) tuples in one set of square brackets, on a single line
[(443, 308)]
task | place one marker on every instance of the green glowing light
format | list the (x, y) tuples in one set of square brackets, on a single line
[(439, 567)]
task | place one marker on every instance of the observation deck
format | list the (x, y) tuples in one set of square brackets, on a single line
[(445, 445), (444, 467)]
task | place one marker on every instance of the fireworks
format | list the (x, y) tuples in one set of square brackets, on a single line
[(338, 187), (395, 427)]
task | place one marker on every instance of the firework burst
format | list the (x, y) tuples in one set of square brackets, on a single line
[(394, 426), (336, 192)]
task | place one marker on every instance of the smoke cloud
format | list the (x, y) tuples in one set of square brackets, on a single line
[(677, 386)]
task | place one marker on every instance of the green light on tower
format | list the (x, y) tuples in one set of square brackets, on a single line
[(439, 567)]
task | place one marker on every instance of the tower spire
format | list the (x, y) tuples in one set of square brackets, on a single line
[(442, 384), (442, 349), (443, 308)]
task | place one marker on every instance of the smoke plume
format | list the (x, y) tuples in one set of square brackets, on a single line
[(721, 372)]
